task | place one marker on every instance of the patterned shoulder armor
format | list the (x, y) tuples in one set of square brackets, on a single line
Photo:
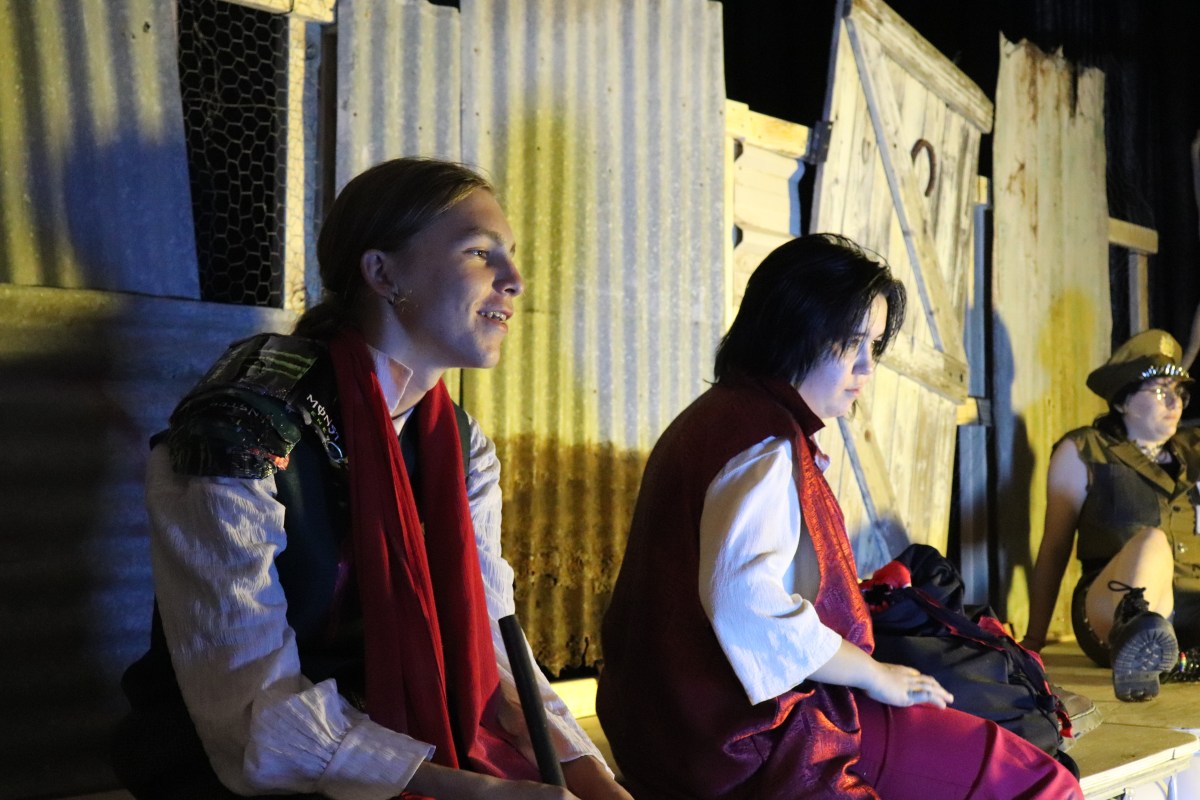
[(244, 417)]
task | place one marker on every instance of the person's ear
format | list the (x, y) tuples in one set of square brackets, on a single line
[(376, 273)]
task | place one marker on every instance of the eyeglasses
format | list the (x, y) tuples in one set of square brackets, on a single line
[(1167, 394)]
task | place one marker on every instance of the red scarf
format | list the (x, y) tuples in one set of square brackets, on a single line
[(430, 662)]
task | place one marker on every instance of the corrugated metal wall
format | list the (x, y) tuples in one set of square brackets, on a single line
[(85, 378), (398, 88), (1052, 313), (398, 83), (94, 195), (602, 123), (90, 130)]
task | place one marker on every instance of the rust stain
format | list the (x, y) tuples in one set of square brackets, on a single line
[(567, 509), (1016, 180)]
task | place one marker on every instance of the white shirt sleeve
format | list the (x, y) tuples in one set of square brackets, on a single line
[(483, 493), (755, 555), (264, 726)]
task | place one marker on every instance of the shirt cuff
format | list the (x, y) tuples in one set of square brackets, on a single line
[(315, 739), (372, 763)]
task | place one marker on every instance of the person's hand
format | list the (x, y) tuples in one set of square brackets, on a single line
[(896, 685), (589, 780), (434, 780)]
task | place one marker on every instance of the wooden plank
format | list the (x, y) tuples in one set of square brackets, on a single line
[(881, 222), (856, 197), (758, 192), (904, 45), (1050, 293), (729, 284), (967, 412), (1129, 756), (770, 133), (735, 118), (909, 208), (749, 253), (968, 181), (844, 104), (936, 172), (1139, 292), (1136, 744), (940, 481), (296, 212), (950, 206), (764, 190), (871, 472), (903, 453), (313, 10), (940, 373), (1133, 237), (885, 402)]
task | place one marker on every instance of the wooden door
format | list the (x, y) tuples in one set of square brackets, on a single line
[(899, 178)]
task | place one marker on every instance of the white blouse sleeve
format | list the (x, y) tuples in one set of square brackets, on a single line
[(265, 727), (483, 493), (752, 548)]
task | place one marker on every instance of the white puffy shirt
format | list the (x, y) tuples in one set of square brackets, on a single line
[(265, 727), (757, 566)]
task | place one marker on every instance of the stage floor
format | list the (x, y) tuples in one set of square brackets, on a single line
[(1136, 744), (1134, 752)]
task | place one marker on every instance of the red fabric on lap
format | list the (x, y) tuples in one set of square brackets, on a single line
[(927, 753)]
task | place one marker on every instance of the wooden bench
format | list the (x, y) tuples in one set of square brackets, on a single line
[(1142, 746), (580, 697), (1137, 746)]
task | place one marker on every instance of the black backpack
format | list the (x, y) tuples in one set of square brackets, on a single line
[(926, 626)]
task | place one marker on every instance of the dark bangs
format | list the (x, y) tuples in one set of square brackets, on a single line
[(806, 302)]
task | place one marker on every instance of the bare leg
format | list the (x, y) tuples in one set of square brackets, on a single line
[(1145, 561)]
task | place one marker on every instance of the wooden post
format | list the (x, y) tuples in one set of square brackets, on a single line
[(974, 465), (1140, 242)]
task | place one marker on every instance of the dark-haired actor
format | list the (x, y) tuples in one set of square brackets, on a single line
[(737, 644)]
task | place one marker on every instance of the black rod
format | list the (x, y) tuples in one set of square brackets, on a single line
[(531, 701)]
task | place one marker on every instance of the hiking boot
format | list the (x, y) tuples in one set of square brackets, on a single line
[(1082, 715), (1186, 669), (1142, 645)]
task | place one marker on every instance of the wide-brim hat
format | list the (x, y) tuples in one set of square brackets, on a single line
[(1150, 354)]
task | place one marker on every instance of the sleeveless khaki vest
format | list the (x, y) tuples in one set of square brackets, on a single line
[(1127, 492)]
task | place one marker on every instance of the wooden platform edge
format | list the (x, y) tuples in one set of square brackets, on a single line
[(1148, 769)]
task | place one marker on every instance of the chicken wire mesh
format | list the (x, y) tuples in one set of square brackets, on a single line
[(233, 79)]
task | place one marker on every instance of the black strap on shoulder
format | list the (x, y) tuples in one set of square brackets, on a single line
[(408, 446), (464, 436)]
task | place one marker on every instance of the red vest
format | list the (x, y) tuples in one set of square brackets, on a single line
[(673, 709)]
